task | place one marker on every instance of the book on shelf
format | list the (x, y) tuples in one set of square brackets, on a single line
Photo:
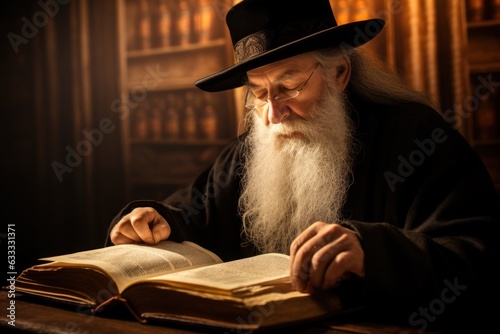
[(180, 283)]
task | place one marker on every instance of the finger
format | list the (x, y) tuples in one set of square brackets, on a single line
[(160, 229), (348, 259), (124, 232), (304, 247), (328, 243), (300, 267), (303, 237), (317, 253), (118, 238), (338, 270), (321, 260), (350, 253), (140, 219)]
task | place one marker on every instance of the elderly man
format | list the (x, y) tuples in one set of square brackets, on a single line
[(343, 167)]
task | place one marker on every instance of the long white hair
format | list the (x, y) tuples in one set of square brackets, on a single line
[(371, 79)]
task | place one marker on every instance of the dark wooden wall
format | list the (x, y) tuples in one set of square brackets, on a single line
[(59, 79)]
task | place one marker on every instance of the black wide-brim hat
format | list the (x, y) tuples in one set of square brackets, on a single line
[(266, 31)]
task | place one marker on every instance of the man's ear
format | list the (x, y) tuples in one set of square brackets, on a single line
[(343, 74)]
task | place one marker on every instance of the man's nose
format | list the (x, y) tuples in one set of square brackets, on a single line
[(277, 111)]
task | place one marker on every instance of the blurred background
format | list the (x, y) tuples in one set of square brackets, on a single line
[(99, 105)]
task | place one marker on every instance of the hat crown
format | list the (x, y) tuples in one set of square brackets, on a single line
[(266, 31), (253, 16)]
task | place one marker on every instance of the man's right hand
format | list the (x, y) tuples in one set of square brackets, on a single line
[(142, 225)]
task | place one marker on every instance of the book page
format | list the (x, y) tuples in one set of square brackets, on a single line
[(233, 275), (130, 262)]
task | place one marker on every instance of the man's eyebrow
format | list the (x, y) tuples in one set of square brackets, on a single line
[(289, 74)]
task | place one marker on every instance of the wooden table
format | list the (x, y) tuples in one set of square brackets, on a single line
[(37, 316)]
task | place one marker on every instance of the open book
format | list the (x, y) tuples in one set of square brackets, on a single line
[(179, 282)]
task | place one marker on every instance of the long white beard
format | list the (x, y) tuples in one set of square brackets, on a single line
[(292, 181)]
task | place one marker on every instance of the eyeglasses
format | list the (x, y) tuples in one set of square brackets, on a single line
[(284, 94)]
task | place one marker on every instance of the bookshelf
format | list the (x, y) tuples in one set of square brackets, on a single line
[(171, 129), (483, 54)]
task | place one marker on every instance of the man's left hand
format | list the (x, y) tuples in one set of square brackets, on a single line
[(323, 255)]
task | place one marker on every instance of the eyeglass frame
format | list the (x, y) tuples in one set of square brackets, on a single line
[(276, 97)]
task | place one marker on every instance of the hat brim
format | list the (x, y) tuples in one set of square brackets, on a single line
[(349, 35)]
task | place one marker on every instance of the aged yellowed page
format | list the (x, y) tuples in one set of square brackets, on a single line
[(233, 275), (128, 263)]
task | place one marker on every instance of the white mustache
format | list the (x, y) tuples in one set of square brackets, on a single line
[(290, 126)]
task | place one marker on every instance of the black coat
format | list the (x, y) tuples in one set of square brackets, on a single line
[(422, 203)]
